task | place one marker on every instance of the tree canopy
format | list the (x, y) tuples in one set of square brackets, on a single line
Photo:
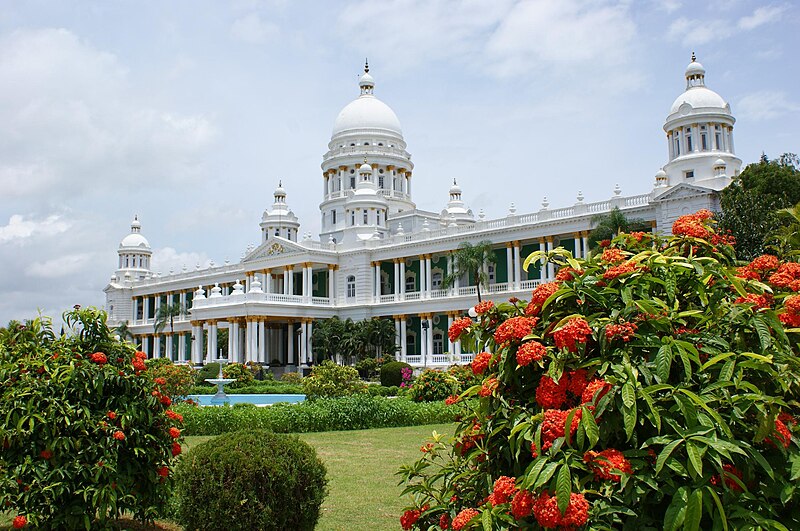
[(750, 203), (610, 224), (472, 260)]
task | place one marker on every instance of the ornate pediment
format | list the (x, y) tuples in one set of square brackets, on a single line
[(274, 247), (683, 191)]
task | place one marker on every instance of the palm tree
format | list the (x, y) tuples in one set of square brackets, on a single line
[(167, 313), (327, 336), (612, 224), (472, 260), (124, 331), (380, 334)]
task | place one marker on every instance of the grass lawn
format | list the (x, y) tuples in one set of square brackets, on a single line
[(363, 490)]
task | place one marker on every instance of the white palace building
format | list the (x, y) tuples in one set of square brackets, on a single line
[(380, 256)]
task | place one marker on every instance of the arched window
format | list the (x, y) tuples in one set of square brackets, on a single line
[(351, 287), (411, 283), (436, 280), (438, 342)]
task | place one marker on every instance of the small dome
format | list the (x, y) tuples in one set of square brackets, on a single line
[(455, 189), (134, 240), (694, 69), (366, 80), (700, 97), (720, 162), (365, 168), (661, 174)]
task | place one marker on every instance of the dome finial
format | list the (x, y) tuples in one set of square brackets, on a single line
[(694, 58), (280, 183), (366, 66), (454, 181)]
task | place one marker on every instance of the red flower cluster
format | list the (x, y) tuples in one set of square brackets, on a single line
[(463, 518), (529, 352), (545, 509), (729, 471), (174, 433), (612, 255), (163, 471), (504, 489), (444, 521), (746, 273), (758, 301), (568, 273), (554, 425), (111, 415), (623, 331), (567, 392), (99, 358), (46, 454), (19, 522), (480, 363), (597, 386), (160, 381), (787, 276), (409, 518), (609, 460), (450, 400), (469, 440), (692, 225), (176, 449), (619, 270), (118, 435), (540, 294), (483, 307), (522, 504), (489, 387), (515, 328), (458, 327), (792, 315), (576, 330), (174, 416), (783, 433), (764, 264)]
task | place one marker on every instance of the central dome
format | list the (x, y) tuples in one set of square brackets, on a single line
[(699, 97), (367, 112)]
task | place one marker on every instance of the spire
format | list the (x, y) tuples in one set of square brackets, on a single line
[(366, 65), (694, 58), (366, 82)]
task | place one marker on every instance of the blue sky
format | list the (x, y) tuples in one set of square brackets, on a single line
[(189, 112)]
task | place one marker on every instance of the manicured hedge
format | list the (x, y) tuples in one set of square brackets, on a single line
[(326, 414), (264, 388)]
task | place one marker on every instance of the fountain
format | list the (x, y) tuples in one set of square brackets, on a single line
[(220, 398)]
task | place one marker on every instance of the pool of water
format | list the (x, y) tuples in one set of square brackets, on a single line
[(258, 400)]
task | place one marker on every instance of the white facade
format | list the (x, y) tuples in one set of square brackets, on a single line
[(379, 256)]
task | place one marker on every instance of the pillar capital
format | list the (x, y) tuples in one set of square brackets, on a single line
[(541, 240), (549, 239)]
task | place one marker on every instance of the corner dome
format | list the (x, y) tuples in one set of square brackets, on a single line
[(134, 240), (700, 97)]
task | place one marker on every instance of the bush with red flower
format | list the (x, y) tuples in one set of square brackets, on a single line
[(84, 439), (661, 396)]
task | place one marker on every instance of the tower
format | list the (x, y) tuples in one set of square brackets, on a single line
[(134, 254), (279, 220), (456, 212), (366, 128), (699, 131)]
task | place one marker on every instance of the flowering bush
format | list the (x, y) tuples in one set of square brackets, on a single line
[(329, 380), (242, 373), (85, 432), (662, 395), (433, 385), (177, 379), (392, 374)]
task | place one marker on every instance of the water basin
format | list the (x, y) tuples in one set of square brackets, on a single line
[(258, 400)]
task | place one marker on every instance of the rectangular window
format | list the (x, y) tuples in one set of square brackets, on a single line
[(677, 146), (365, 216), (380, 181), (689, 146), (333, 217), (704, 141), (689, 174), (353, 217), (352, 182)]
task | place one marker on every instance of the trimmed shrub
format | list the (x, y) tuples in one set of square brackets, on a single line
[(85, 434), (433, 385), (379, 390), (209, 370), (175, 380), (251, 480), (331, 380), (257, 387), (391, 373), (242, 373), (367, 368), (358, 412), (292, 378)]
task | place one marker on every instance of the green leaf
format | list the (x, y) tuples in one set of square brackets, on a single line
[(590, 426), (676, 512), (545, 476), (764, 336), (665, 453), (694, 511), (486, 520), (653, 410), (628, 394), (720, 508), (795, 467), (629, 419), (664, 362), (694, 457), (563, 488)]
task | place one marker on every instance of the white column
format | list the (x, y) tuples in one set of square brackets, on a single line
[(209, 345), (331, 285), (578, 251), (290, 344), (550, 266), (303, 343), (267, 284), (233, 334), (396, 279), (304, 287), (377, 281), (450, 269), (428, 275), (181, 346), (310, 345), (429, 342), (402, 279), (397, 333), (286, 281), (451, 347), (403, 337), (197, 338), (157, 346), (542, 268), (157, 305), (509, 266), (517, 266), (168, 345), (310, 281), (291, 281), (585, 240), (262, 342), (248, 341)]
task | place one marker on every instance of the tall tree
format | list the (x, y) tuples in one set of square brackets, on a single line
[(166, 314), (750, 203), (612, 223), (327, 337), (472, 260), (124, 331)]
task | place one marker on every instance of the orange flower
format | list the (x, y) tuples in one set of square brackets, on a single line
[(118, 435)]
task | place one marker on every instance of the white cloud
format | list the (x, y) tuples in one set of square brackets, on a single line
[(62, 266), (765, 105), (20, 229), (253, 29), (669, 6), (694, 31), (168, 259), (72, 122), (762, 15)]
